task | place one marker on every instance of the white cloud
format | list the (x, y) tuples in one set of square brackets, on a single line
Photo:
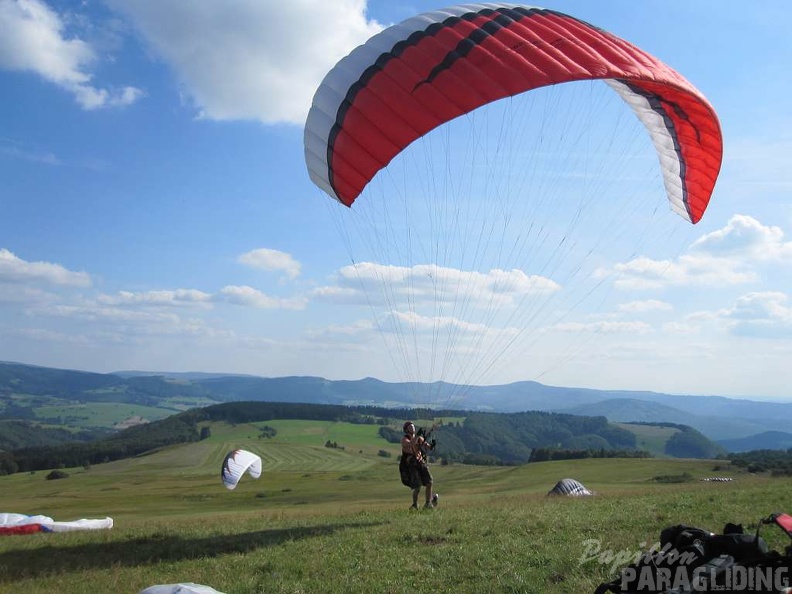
[(17, 276), (356, 329), (236, 295), (722, 258), (403, 324), (267, 259), (761, 315), (644, 273), (97, 313), (745, 238), (250, 297), (120, 325), (458, 346), (158, 298), (681, 328), (645, 306), (20, 294), (14, 269), (338, 295), (753, 315), (395, 322), (248, 59), (32, 39), (429, 284)]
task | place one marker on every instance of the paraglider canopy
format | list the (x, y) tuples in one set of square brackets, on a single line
[(236, 463), (430, 69), (569, 487), (183, 588), (493, 191), (13, 523)]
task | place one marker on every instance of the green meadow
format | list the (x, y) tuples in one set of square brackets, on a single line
[(650, 438), (100, 414), (89, 415), (326, 520)]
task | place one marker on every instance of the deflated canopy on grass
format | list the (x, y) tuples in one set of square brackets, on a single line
[(569, 487), (236, 463), (12, 523), (184, 588)]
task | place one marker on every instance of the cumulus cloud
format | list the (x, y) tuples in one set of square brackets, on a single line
[(764, 314), (396, 321), (644, 273), (158, 298), (267, 259), (645, 306), (21, 294), (337, 294), (684, 328), (435, 336), (745, 238), (722, 258), (14, 269), (760, 315), (97, 313), (247, 59), (250, 297), (33, 39), (120, 323), (235, 295), (429, 284), (356, 329)]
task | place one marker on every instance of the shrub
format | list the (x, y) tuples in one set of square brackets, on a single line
[(685, 477)]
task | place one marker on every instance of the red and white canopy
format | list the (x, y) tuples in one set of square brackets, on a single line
[(417, 75)]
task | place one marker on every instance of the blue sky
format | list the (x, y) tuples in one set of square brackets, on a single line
[(156, 212)]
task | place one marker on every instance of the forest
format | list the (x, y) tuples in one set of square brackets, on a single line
[(479, 438), (488, 438)]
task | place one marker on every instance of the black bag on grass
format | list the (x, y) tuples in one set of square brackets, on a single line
[(692, 559)]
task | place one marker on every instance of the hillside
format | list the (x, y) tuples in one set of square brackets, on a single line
[(15, 434), (317, 514), (769, 440), (78, 400), (473, 438), (626, 410)]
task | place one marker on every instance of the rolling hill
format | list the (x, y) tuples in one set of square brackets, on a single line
[(477, 438), (79, 400), (769, 440), (627, 410)]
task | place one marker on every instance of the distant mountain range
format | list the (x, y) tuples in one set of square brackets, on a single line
[(734, 423), (726, 424), (769, 440)]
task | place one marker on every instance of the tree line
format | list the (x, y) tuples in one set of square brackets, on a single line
[(483, 438), (181, 428), (776, 462), (512, 438)]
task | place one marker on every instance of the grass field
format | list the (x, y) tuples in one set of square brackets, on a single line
[(83, 415), (324, 520), (100, 414), (649, 437)]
